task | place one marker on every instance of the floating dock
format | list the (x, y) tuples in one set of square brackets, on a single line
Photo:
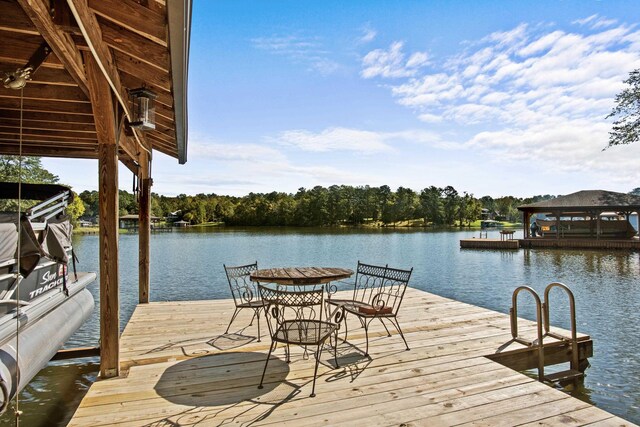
[(489, 244), (181, 369), (483, 243)]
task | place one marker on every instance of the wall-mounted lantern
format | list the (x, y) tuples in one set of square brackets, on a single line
[(144, 109)]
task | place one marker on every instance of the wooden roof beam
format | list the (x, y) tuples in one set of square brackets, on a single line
[(130, 164), (14, 19), (47, 92), (48, 116), (142, 71), (128, 145), (11, 148), (17, 48), (46, 125), (46, 138), (90, 29), (60, 42), (134, 17), (130, 43), (47, 133), (47, 106)]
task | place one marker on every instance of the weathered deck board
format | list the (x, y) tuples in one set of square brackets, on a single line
[(182, 371)]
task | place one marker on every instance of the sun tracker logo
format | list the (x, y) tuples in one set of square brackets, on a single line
[(49, 280)]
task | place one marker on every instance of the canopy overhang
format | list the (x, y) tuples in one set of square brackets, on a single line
[(136, 44)]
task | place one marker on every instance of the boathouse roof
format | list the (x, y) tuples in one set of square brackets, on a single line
[(587, 200), (135, 44)]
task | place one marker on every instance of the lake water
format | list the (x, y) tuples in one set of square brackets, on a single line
[(187, 265)]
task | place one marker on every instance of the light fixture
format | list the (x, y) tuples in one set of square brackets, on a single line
[(144, 109), (17, 79)]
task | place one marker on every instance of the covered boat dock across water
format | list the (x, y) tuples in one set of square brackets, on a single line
[(585, 219)]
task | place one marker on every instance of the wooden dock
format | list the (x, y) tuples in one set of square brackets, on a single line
[(633, 244), (473, 243), (180, 369), (489, 244)]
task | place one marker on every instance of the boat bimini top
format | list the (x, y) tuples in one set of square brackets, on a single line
[(45, 229)]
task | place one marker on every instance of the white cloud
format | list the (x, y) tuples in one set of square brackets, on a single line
[(344, 139), (524, 75), (595, 22), (368, 35), (533, 94), (391, 63), (586, 20), (303, 50), (509, 39), (232, 152), (334, 139), (430, 118)]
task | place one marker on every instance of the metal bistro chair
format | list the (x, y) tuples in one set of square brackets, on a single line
[(377, 294), (294, 316), (245, 292)]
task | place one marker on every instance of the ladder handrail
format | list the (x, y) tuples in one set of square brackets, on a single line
[(514, 325), (572, 312)]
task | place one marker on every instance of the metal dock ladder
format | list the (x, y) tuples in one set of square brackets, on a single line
[(574, 370), (542, 317)]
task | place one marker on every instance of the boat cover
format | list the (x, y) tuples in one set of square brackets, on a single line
[(10, 190), (52, 242), (30, 249)]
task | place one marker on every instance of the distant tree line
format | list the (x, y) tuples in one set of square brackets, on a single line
[(320, 206)]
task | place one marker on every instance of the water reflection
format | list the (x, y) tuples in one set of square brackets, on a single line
[(53, 395)]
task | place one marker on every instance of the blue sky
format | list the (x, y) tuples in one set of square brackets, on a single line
[(493, 97)]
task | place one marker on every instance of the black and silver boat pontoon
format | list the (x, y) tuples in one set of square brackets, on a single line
[(41, 304)]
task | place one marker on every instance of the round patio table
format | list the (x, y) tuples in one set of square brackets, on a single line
[(300, 275)]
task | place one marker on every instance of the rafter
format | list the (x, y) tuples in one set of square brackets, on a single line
[(130, 65), (60, 43), (46, 106), (44, 137), (130, 43), (48, 116), (10, 147), (47, 92), (100, 52), (133, 16), (46, 133), (46, 125), (14, 19)]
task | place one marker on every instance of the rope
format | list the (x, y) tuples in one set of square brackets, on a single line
[(17, 411)]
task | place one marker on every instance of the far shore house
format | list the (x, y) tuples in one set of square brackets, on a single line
[(85, 223), (592, 214), (132, 221), (174, 216)]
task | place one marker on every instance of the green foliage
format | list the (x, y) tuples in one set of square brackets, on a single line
[(75, 209), (321, 206), (31, 171), (333, 206), (431, 205), (30, 168), (91, 201), (626, 127)]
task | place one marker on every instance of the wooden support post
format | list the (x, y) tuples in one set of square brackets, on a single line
[(144, 232), (104, 112)]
